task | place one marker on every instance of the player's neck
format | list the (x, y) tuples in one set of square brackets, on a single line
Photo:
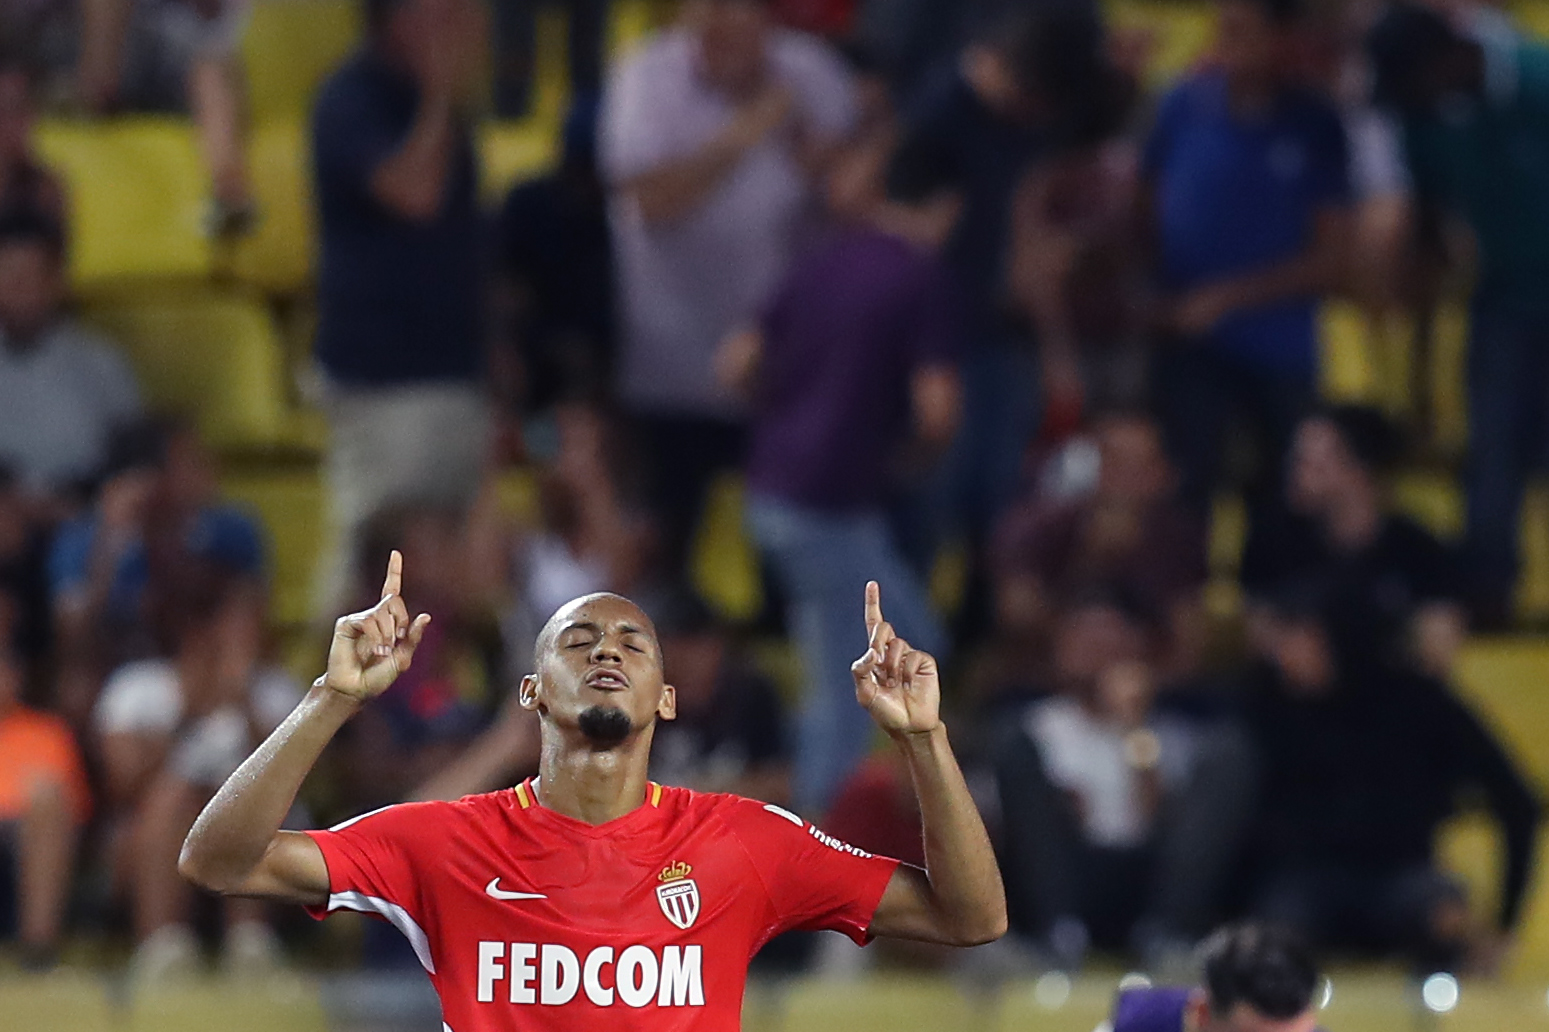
[(593, 786)]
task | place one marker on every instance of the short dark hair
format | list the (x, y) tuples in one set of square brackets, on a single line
[(1407, 39), (1267, 968), (1368, 435), (379, 12), (27, 226)]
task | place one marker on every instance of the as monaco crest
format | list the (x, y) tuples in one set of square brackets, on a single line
[(678, 895)]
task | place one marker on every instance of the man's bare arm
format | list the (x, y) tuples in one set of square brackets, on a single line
[(958, 899), (236, 846)]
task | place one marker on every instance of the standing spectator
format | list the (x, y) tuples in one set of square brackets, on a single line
[(556, 282), (1130, 531), (1361, 765), (1470, 107), (157, 527), (170, 730), (64, 390), (1393, 586), (710, 139), (1249, 190), (1121, 823), (43, 802), (399, 323), (178, 56), (966, 146), (26, 184), (853, 364)]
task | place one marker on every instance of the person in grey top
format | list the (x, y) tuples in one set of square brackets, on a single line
[(63, 388)]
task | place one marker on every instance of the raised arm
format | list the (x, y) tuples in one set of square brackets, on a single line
[(236, 846), (958, 899)]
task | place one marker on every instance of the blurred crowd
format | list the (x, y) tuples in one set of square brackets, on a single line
[(964, 303)]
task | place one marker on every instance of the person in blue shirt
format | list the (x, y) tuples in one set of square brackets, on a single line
[(1474, 105), (1257, 978), (157, 525), (1249, 193)]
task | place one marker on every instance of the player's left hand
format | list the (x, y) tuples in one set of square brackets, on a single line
[(897, 684)]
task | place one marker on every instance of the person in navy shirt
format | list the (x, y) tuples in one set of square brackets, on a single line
[(1256, 979), (1249, 190)]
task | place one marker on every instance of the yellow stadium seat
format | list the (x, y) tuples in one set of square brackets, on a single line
[(724, 563), (1532, 16), (1504, 680), (137, 196), (1434, 500), (514, 151), (215, 358), (280, 255), (1179, 33), (1347, 369), (290, 504), (289, 47)]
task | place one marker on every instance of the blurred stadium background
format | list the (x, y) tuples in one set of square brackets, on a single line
[(222, 329)]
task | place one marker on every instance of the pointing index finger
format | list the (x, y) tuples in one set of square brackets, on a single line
[(873, 608), (393, 585)]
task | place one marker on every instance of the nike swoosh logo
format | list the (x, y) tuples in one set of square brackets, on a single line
[(494, 891)]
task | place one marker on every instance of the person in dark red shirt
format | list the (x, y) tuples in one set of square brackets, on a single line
[(590, 897)]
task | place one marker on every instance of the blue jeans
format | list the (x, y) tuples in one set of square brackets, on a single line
[(1508, 391), (982, 470), (823, 561)]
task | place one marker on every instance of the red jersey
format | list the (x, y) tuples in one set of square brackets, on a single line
[(528, 919)]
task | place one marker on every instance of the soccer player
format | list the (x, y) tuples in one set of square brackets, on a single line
[(590, 897), (1257, 979)]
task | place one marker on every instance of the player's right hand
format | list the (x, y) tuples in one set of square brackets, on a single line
[(372, 648)]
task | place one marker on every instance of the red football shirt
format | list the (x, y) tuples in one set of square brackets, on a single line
[(528, 919)]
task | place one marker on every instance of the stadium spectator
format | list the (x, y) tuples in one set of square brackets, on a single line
[(170, 730), (1394, 588), (156, 528), (711, 136), (1255, 977), (26, 183), (1468, 103), (1249, 187), (556, 282), (967, 145), (43, 802), (855, 390), (729, 734), (63, 388), (1075, 269), (175, 56), (1129, 531), (400, 290), (1361, 764), (1121, 824)]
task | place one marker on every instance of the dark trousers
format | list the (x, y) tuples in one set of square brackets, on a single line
[(515, 32), (1381, 910), (683, 456), (1170, 885), (1508, 393), (1201, 394)]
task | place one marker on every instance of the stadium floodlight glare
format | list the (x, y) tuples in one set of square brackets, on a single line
[(1440, 993)]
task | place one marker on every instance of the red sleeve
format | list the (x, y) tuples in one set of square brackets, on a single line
[(373, 868), (814, 881)]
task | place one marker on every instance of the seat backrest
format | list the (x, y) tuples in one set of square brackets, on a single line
[(288, 49)]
